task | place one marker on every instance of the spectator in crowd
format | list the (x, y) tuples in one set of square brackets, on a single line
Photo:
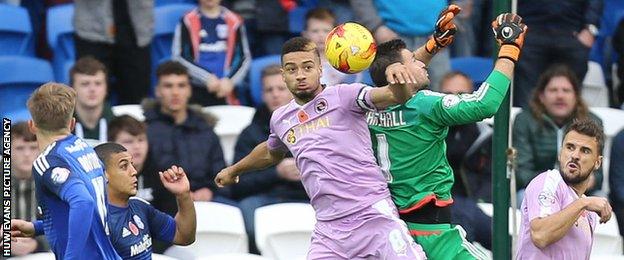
[(179, 134), (395, 19), (23, 200), (211, 42), (93, 113), (538, 130), (562, 31), (469, 154), (119, 34), (277, 184), (616, 178), (618, 46), (319, 22)]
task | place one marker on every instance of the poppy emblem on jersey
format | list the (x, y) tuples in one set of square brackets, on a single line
[(138, 221), (59, 175), (320, 106), (302, 116), (133, 228), (290, 137)]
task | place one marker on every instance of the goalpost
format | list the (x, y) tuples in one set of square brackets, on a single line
[(503, 163)]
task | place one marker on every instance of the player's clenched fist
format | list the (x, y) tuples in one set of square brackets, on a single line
[(509, 32), (226, 177), (445, 28), (601, 206)]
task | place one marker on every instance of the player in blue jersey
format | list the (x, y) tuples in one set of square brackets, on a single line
[(133, 221), (69, 181)]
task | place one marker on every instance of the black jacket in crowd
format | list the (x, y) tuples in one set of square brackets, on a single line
[(560, 15), (193, 145)]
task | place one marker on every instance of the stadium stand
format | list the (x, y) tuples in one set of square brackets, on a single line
[(477, 68), (60, 36), (595, 91), (231, 122), (132, 110), (168, 17), (15, 31), (220, 229), (290, 238), (20, 76), (255, 76)]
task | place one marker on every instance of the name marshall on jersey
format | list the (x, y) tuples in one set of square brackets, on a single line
[(385, 119)]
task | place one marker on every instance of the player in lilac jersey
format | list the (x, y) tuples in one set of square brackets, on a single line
[(325, 130), (557, 219)]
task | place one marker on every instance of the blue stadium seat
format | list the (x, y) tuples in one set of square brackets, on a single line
[(477, 68), (19, 77), (60, 37), (296, 19), (18, 115), (167, 17), (16, 36), (255, 76)]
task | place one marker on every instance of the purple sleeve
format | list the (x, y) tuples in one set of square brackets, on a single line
[(355, 97), (542, 196), (274, 142)]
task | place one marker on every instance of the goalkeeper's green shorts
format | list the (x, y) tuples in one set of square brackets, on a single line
[(444, 242)]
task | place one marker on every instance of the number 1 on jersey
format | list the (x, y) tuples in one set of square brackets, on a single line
[(382, 156)]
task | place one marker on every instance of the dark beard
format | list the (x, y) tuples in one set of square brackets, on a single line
[(304, 96), (576, 179)]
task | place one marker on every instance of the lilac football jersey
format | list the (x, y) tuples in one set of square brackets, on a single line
[(545, 195), (329, 139)]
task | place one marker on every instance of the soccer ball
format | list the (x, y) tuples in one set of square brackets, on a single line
[(350, 48)]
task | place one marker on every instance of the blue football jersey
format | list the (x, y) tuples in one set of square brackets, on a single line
[(133, 227), (71, 191)]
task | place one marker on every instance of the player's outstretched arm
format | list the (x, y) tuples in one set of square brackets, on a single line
[(176, 182), (260, 157), (443, 35), (402, 84), (483, 103), (550, 229)]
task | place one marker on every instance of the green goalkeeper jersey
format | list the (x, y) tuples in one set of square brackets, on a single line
[(409, 140)]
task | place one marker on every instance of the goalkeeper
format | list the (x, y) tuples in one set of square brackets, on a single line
[(409, 139)]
